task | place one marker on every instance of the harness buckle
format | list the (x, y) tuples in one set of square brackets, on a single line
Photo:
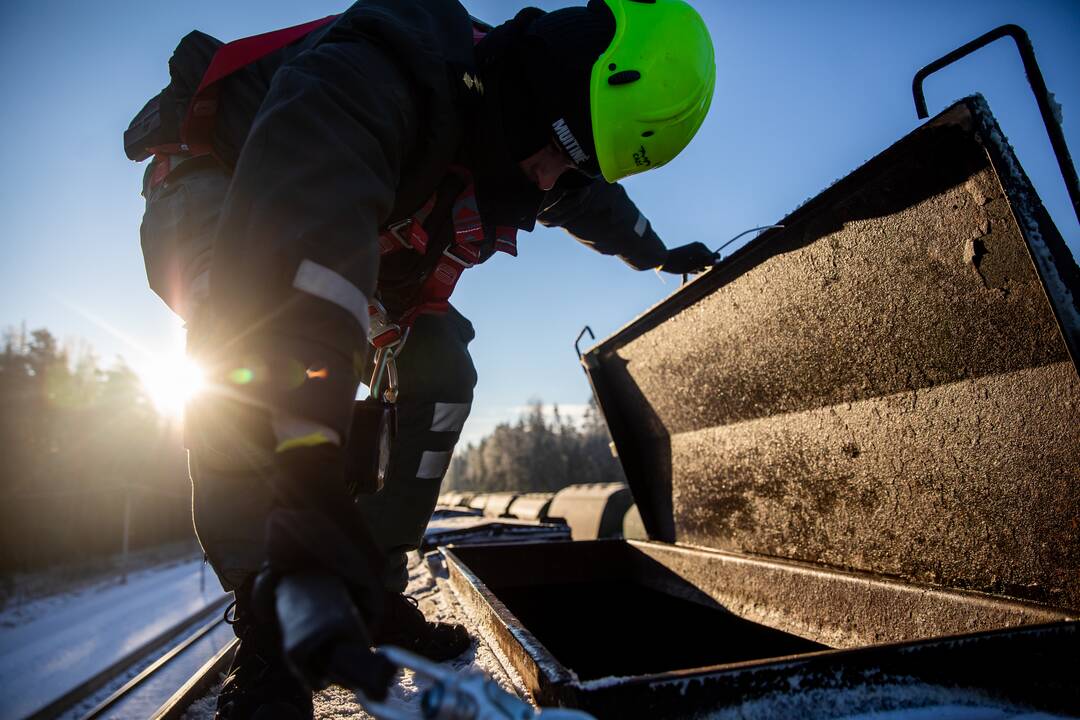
[(399, 231), (383, 333), (385, 367), (464, 262)]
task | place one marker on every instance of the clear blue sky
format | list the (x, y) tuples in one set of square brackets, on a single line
[(806, 92)]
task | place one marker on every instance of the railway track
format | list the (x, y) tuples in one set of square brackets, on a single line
[(165, 687)]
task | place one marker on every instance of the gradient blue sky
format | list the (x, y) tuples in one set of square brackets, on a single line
[(806, 92)]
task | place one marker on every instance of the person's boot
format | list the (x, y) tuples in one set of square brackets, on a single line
[(405, 626), (259, 685)]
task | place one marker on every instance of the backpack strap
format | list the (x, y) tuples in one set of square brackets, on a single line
[(197, 130)]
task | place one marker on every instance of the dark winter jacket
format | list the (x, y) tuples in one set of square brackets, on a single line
[(338, 135)]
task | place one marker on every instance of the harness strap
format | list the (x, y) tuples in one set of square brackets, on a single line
[(384, 332), (410, 234), (470, 243), (167, 159)]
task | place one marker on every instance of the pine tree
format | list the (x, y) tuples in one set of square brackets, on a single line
[(74, 439)]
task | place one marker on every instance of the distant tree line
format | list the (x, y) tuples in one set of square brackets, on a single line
[(76, 444), (537, 454)]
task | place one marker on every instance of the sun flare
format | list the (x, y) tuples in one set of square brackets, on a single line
[(171, 382)]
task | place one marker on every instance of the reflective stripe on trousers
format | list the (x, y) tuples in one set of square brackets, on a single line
[(231, 496)]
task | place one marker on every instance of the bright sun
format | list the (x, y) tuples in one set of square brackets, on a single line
[(171, 382)]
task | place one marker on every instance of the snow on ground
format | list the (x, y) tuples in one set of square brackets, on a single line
[(51, 645)]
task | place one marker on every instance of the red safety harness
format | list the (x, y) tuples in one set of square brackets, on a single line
[(471, 237), (466, 248)]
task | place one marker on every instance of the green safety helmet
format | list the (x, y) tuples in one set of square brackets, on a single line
[(651, 89)]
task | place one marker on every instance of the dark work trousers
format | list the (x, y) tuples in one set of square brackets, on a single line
[(230, 473), (436, 377)]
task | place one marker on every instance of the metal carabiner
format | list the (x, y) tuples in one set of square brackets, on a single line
[(385, 365)]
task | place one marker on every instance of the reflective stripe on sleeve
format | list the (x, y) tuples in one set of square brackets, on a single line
[(641, 225), (322, 282), (450, 417), (433, 464), (293, 432)]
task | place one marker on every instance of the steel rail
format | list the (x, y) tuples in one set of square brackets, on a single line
[(197, 685), (88, 687), (147, 673)]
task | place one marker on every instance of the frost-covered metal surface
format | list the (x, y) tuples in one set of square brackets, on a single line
[(655, 630), (592, 510), (531, 506), (838, 609), (472, 530), (884, 385), (1060, 277)]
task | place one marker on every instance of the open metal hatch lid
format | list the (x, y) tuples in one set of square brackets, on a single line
[(888, 384)]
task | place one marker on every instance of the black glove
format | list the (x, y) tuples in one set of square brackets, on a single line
[(692, 258), (323, 636), (322, 582)]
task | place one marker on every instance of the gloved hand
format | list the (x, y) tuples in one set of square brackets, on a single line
[(324, 638), (691, 258), (322, 581)]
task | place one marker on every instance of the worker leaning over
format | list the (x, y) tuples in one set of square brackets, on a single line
[(343, 173)]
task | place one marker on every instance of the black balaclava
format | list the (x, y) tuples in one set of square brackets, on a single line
[(560, 51), (529, 78), (504, 194), (540, 65), (501, 62)]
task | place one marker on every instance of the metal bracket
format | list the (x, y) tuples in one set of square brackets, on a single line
[(1038, 87), (581, 334)]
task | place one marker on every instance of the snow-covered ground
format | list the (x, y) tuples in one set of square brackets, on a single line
[(51, 645)]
